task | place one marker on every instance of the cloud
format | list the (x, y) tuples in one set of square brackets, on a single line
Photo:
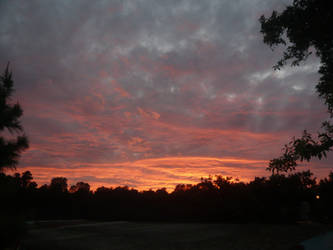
[(150, 173), (122, 81)]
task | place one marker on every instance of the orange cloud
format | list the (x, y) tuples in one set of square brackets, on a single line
[(148, 114), (151, 173)]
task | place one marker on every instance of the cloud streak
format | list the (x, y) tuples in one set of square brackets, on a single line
[(152, 173)]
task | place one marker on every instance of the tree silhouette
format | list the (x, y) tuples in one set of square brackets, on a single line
[(26, 179), (274, 199), (80, 187), (307, 25), (10, 149), (59, 184)]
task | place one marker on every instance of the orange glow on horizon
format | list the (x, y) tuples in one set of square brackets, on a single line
[(151, 173)]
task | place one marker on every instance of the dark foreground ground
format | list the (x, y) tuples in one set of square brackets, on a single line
[(131, 235)]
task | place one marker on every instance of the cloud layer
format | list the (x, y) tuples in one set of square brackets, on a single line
[(106, 85)]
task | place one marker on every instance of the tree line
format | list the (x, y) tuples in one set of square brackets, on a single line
[(274, 199)]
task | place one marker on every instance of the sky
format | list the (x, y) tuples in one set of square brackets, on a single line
[(153, 93)]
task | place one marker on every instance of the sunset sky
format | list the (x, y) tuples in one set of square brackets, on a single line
[(151, 93)]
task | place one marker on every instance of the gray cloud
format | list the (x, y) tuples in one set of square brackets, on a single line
[(127, 80)]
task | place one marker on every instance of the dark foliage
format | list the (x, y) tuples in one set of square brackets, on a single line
[(277, 199), (10, 149), (16, 194), (304, 27)]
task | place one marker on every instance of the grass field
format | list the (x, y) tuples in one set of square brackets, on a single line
[(132, 235)]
